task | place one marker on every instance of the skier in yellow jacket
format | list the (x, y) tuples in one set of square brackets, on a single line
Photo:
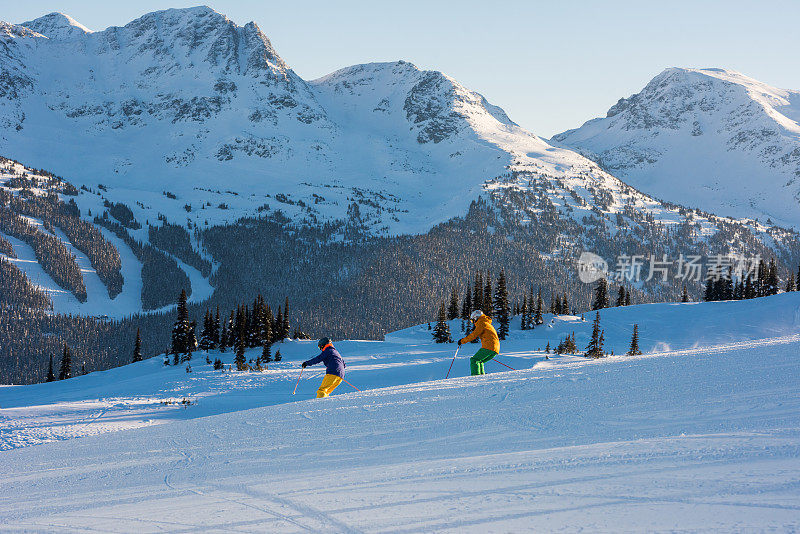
[(490, 343)]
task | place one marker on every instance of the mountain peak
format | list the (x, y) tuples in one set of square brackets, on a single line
[(57, 26)]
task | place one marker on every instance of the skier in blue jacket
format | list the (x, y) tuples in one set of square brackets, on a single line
[(334, 367)]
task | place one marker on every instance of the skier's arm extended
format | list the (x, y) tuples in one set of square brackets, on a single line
[(473, 335), (313, 361)]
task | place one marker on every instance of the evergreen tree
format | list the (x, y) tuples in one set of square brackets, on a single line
[(685, 294), (286, 325), (709, 294), (524, 316), (547, 348), (278, 356), (633, 350), (65, 371), (564, 304), (191, 342), (277, 332), (797, 279), (600, 295), (790, 284), (240, 346), (441, 332), (501, 307), (223, 338), (180, 330), (569, 346), (206, 335), (266, 352), (137, 347), (621, 296), (477, 298), (595, 348), (50, 375), (466, 304), (772, 281), (749, 287), (628, 297), (452, 310), (487, 295), (537, 318), (554, 305), (215, 331)]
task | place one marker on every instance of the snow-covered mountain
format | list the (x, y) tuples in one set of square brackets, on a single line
[(177, 99), (708, 138), (167, 108)]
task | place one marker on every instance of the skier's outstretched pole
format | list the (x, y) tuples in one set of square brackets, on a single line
[(298, 381), (349, 384), (501, 363), (451, 363)]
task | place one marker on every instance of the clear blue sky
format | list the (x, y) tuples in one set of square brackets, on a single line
[(551, 65)]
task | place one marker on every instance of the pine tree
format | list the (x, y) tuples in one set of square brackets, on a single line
[(277, 333), (790, 284), (595, 348), (266, 353), (501, 307), (278, 356), (180, 329), (621, 296), (206, 335), (223, 338), (523, 312), (65, 371), (600, 295), (215, 331), (477, 298), (452, 310), (564, 305), (487, 295), (240, 346), (50, 375), (628, 297), (554, 305), (772, 281), (685, 294), (633, 350), (466, 304), (137, 347), (537, 318), (441, 332), (547, 348), (709, 294), (286, 326), (191, 344)]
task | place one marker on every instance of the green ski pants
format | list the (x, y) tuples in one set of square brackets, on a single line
[(477, 361)]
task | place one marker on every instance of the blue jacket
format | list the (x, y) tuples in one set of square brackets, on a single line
[(334, 364)]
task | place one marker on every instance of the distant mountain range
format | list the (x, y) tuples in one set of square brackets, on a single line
[(708, 138)]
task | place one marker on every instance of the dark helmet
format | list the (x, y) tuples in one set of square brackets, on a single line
[(322, 342)]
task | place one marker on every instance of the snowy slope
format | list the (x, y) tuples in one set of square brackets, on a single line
[(98, 302), (704, 438), (708, 138)]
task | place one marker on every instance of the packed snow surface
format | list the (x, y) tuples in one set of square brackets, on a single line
[(702, 432)]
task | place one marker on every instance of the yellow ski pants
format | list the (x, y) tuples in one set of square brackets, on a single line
[(329, 383)]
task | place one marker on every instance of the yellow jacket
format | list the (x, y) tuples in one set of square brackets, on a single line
[(487, 333)]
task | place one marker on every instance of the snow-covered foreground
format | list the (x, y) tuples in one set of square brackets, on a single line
[(700, 436)]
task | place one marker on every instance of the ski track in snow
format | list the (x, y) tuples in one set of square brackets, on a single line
[(695, 438)]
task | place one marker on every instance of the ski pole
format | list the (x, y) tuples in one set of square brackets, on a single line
[(451, 363), (501, 363), (349, 384), (298, 381)]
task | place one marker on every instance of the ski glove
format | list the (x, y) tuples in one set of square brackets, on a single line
[(304, 365)]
